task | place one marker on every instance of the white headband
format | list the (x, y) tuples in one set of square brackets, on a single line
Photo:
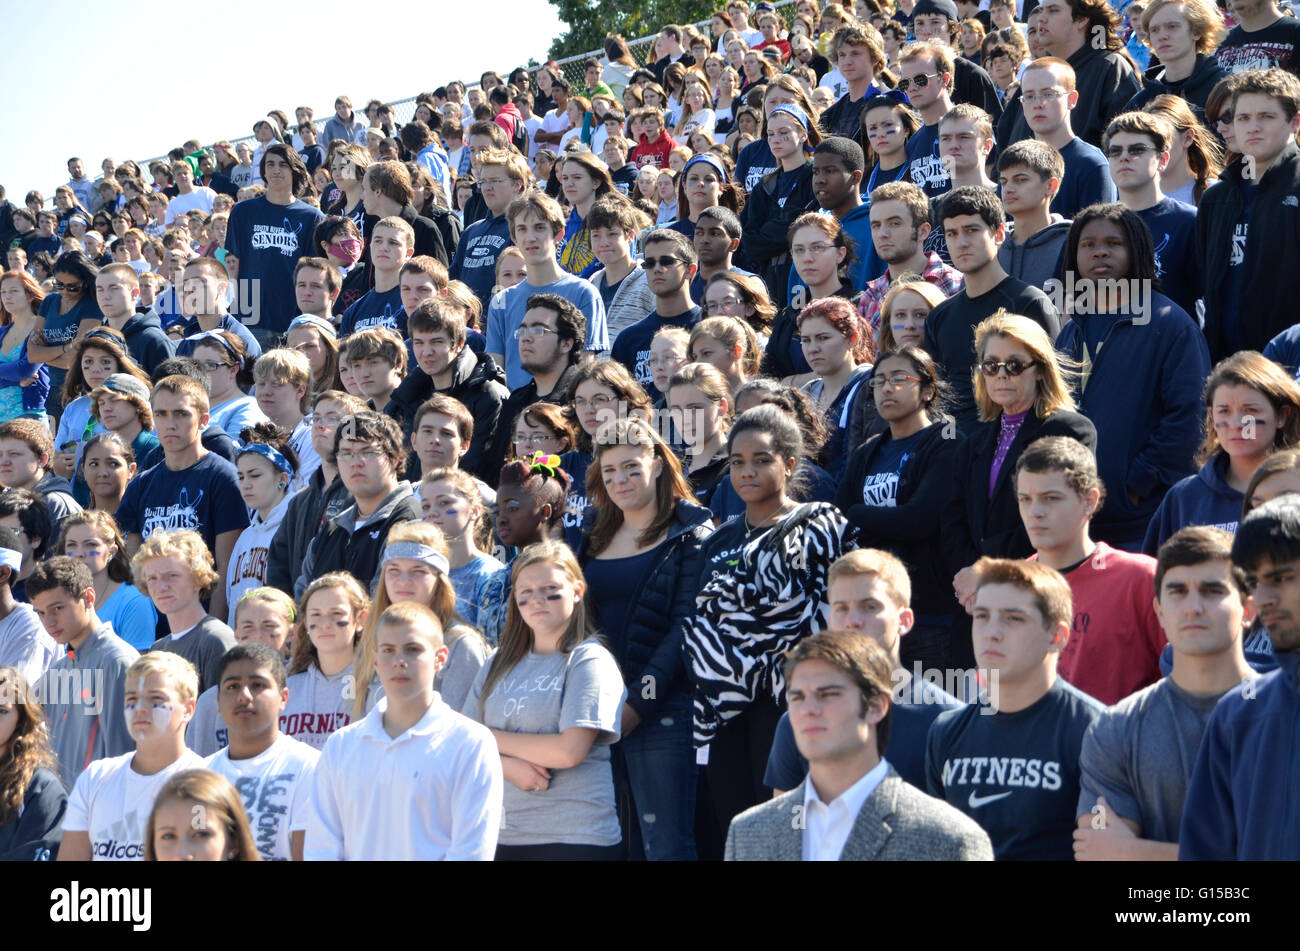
[(414, 550), (11, 559)]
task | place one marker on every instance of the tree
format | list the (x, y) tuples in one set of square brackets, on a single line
[(590, 21)]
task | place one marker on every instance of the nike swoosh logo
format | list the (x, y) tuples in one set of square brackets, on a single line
[(976, 801)]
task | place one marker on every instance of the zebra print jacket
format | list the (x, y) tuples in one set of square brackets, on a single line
[(746, 620)]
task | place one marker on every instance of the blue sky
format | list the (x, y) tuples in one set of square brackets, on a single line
[(99, 79)]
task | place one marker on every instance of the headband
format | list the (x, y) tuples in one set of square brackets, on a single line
[(11, 559), (217, 337), (797, 114), (710, 161), (892, 95), (430, 556), (271, 455), (310, 320), (108, 335)]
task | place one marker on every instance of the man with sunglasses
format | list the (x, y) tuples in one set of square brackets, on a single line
[(1137, 146), (670, 263), (926, 69)]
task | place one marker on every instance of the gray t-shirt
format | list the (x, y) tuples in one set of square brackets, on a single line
[(1139, 754), (203, 645), (549, 693), (318, 705), (465, 658)]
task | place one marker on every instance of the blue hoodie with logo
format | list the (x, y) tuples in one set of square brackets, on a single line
[(1201, 499)]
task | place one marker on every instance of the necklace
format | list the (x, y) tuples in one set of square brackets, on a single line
[(775, 516)]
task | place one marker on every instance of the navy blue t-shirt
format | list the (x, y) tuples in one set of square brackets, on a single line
[(755, 161), (612, 583), (1173, 234), (925, 166), (880, 488), (268, 240), (1232, 282), (909, 726), (204, 498), (1086, 180), (1016, 774), (575, 463), (375, 309), (632, 348), (475, 262), (60, 328)]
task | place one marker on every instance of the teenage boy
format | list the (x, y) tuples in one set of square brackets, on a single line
[(392, 242), (550, 348), (974, 227), (853, 806), (110, 805), (377, 358), (937, 21), (899, 214), (1240, 800), (204, 300), (188, 197), (370, 456), (670, 42), (615, 152), (191, 488), (536, 225), (175, 570), (623, 286), (1263, 37), (265, 237), (440, 435), (283, 379), (669, 264), (654, 144), (870, 594), (1030, 173), (24, 643), (926, 69), (1135, 771), (965, 141), (26, 451), (117, 291), (1082, 33), (324, 496), (1184, 35), (1136, 145), (503, 175), (717, 238), (447, 367), (450, 807), (25, 513), (1049, 94), (859, 54), (1244, 225), (386, 192), (272, 771), (316, 286), (1011, 761), (82, 691), (1115, 636)]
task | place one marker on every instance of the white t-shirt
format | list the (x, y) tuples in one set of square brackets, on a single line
[(112, 803), (275, 785), (200, 198), (532, 124), (836, 83)]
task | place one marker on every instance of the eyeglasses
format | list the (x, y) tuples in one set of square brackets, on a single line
[(1225, 119), (533, 439), (1014, 367), (724, 305), (492, 182), (821, 247), (666, 261), (329, 422), (522, 332), (896, 380), (362, 455), (920, 82), (1047, 95), (74, 286), (1136, 151), (212, 366)]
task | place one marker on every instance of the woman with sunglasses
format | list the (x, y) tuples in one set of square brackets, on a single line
[(1023, 393), (64, 318)]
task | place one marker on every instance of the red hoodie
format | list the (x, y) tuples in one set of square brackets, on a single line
[(653, 153), (507, 118)]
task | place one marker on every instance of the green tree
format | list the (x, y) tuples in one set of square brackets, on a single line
[(589, 21)]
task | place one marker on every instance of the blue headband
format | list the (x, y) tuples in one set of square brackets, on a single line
[(417, 552), (710, 161), (890, 96), (319, 323), (216, 336), (271, 455), (797, 114)]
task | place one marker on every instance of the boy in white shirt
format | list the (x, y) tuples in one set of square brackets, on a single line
[(272, 771), (414, 779), (110, 804)]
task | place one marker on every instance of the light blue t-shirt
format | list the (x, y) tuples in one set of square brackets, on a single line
[(234, 416), (133, 616), (506, 314)]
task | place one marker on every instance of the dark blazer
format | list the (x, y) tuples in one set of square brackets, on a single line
[(975, 525), (898, 822)]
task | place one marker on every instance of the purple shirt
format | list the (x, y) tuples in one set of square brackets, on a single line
[(1011, 424)]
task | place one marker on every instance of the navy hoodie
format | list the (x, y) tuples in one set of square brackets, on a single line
[(1243, 800), (146, 341), (1201, 499)]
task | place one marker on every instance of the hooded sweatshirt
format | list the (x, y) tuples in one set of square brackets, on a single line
[(1039, 258), (146, 342), (349, 542), (57, 492), (1195, 88), (83, 694), (1201, 499)]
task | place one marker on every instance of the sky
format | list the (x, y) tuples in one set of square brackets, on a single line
[(96, 79)]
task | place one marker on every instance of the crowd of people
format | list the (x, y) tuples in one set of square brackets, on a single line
[(864, 432)]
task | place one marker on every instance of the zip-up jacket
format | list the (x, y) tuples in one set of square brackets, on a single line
[(308, 511), (346, 544)]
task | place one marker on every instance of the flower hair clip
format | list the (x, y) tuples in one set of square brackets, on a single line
[(545, 464)]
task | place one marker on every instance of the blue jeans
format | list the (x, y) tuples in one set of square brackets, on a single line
[(655, 779)]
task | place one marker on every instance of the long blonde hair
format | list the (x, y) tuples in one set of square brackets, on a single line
[(1054, 371), (442, 603), (731, 332), (517, 637)]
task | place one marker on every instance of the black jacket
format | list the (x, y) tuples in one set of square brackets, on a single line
[(765, 221), (1269, 288), (972, 83), (1195, 88), (975, 525), (476, 381), (501, 447), (146, 342), (449, 227), (910, 529), (1106, 82), (343, 545), (776, 355), (308, 511), (651, 643)]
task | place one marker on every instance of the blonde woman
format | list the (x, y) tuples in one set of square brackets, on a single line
[(729, 345)]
